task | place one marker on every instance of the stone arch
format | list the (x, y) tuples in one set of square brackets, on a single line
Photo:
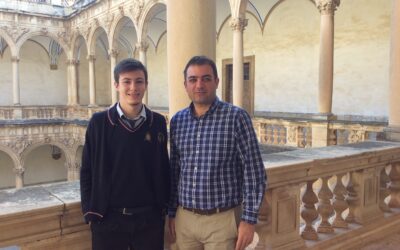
[(93, 37), (238, 7), (14, 157), (33, 146), (228, 18), (10, 42), (274, 7), (50, 34), (75, 46), (149, 11), (116, 29)]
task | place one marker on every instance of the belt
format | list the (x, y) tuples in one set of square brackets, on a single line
[(133, 211), (209, 211)]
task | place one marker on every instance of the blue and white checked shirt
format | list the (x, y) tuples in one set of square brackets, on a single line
[(216, 161)]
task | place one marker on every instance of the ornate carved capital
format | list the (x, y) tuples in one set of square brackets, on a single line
[(142, 46), (91, 58), (136, 10), (67, 141), (327, 7), (113, 52), (15, 32), (238, 24), (72, 62), (14, 59), (19, 171)]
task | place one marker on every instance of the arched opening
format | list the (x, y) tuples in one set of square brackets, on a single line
[(6, 79), (42, 71), (45, 164), (7, 176)]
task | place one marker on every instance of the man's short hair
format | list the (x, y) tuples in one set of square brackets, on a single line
[(128, 65), (201, 60)]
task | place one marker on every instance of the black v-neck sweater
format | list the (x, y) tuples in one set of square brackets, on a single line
[(122, 167)]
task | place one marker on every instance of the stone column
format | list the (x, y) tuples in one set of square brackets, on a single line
[(142, 48), (393, 131), (238, 25), (19, 177), (73, 84), (15, 70), (92, 80), (191, 31), (327, 9), (113, 58)]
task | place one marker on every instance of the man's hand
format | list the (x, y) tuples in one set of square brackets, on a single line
[(171, 227), (245, 235)]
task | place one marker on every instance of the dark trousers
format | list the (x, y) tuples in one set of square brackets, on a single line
[(116, 231)]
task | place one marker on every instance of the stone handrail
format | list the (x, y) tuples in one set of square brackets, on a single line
[(304, 207)]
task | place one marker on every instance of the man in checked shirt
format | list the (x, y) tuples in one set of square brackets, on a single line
[(218, 177)]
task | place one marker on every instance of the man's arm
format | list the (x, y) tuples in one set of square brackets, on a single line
[(254, 178)]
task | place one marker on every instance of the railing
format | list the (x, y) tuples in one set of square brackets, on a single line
[(283, 131), (325, 198)]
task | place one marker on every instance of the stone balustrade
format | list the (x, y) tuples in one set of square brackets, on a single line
[(321, 198)]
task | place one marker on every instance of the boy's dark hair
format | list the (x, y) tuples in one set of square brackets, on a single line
[(201, 60), (128, 65)]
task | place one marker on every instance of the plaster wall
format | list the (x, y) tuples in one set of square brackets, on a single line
[(362, 47), (41, 167), (39, 85), (7, 176), (6, 85), (286, 57), (103, 73), (157, 69)]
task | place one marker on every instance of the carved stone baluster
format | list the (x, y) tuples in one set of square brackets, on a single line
[(269, 135), (308, 212), (384, 191), (395, 185), (282, 135), (325, 207), (352, 200), (339, 204), (276, 135), (301, 138), (308, 137)]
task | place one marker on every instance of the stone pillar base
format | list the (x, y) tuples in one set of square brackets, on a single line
[(320, 131), (392, 134)]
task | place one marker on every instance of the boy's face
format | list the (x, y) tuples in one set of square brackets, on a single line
[(131, 87)]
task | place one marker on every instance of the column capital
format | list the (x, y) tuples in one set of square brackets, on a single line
[(91, 58), (14, 59), (72, 62), (113, 52), (327, 7), (142, 46), (238, 23), (19, 171)]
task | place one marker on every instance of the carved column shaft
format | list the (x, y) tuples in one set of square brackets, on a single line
[(113, 59), (238, 25), (92, 80), (19, 177), (142, 47), (16, 89), (73, 84), (327, 9)]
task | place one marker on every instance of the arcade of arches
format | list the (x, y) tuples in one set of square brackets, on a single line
[(339, 60)]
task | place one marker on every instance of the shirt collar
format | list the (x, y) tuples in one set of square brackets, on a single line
[(211, 110), (122, 115)]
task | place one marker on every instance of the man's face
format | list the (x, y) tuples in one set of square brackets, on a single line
[(131, 87), (201, 84)]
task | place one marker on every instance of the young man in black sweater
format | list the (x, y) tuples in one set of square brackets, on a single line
[(125, 168)]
